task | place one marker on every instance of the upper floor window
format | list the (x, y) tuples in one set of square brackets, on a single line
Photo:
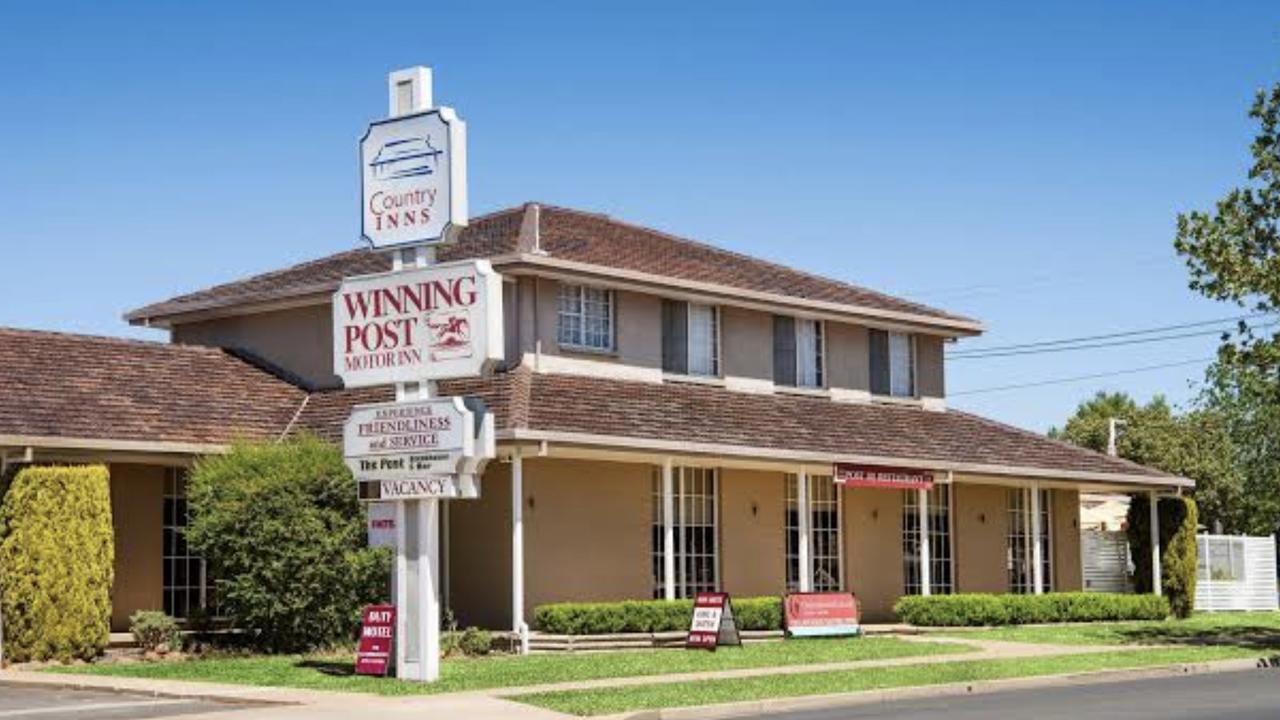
[(893, 362), (586, 318), (798, 348), (690, 338)]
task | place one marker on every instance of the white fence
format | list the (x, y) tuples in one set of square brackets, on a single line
[(1235, 572), (1105, 556)]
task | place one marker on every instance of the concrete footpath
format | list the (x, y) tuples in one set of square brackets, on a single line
[(267, 703)]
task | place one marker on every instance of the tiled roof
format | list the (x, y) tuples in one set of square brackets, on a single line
[(776, 423), (82, 387), (563, 234)]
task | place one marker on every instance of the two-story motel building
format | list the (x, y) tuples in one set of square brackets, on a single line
[(668, 419)]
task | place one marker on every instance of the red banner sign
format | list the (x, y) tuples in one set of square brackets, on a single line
[(878, 476), (825, 613), (373, 654)]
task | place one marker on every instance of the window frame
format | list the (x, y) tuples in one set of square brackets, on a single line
[(684, 499), (716, 340), (911, 509), (1018, 538), (820, 369), (580, 344), (195, 592), (791, 532), (913, 363)]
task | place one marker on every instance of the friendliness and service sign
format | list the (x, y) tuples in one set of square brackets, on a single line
[(408, 440), (413, 172), (433, 323)]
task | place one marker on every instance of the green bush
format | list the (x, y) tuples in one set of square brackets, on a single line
[(284, 536), (973, 609), (56, 563), (639, 616), (475, 642), (155, 631), (1178, 520)]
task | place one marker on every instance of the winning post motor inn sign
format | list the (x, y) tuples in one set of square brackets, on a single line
[(431, 323)]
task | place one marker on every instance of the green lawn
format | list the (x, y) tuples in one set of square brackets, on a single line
[(334, 672), (647, 697), (1257, 631)]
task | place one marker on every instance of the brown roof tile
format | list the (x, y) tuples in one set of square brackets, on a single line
[(564, 234), (82, 387)]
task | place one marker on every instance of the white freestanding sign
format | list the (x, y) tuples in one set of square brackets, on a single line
[(429, 323), (413, 172)]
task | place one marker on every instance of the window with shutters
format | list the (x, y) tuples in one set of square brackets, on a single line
[(893, 363), (798, 352), (585, 318), (690, 338)]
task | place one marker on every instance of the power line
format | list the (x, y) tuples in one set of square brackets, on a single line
[(1078, 378), (1093, 346), (1105, 336)]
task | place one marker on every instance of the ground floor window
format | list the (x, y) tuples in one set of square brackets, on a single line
[(1019, 552), (941, 565), (824, 534), (696, 522), (187, 587)]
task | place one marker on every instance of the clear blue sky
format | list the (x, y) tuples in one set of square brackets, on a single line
[(1021, 165)]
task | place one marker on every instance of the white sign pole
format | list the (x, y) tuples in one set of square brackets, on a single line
[(417, 549)]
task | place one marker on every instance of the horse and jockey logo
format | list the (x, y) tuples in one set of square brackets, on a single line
[(450, 332)]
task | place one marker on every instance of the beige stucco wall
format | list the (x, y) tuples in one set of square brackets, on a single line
[(746, 338), (753, 543), (873, 550), (587, 531), (1067, 570), (299, 340), (848, 357), (479, 547), (980, 527), (137, 509)]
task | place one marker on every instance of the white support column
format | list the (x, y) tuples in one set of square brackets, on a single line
[(517, 543), (668, 530), (1155, 543), (926, 569), (1037, 551), (429, 581), (803, 517)]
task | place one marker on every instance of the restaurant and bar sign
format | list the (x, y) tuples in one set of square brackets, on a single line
[(879, 476), (432, 323), (413, 179)]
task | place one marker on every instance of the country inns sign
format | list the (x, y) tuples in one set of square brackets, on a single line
[(413, 179)]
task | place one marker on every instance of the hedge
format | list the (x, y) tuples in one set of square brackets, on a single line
[(640, 616), (57, 551), (284, 535), (1178, 520), (972, 609)]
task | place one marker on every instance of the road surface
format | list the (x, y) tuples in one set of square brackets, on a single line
[(41, 703), (1248, 695)]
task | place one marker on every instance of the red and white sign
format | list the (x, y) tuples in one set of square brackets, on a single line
[(433, 323), (817, 614), (713, 623), (381, 524), (377, 630), (413, 179), (879, 476)]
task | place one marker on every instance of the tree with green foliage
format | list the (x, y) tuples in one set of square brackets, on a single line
[(1196, 444), (57, 554), (284, 536), (1178, 519), (1233, 255)]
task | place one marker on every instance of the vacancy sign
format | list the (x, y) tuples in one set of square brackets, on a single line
[(413, 179), (432, 323), (877, 476), (377, 629)]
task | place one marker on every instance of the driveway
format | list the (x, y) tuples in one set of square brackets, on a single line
[(48, 703)]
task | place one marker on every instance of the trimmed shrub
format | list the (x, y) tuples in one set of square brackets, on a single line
[(57, 551), (648, 616), (155, 631), (284, 536), (475, 642), (973, 609), (1178, 520)]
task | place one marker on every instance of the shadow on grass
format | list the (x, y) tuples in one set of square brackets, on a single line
[(332, 668), (1244, 636)]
